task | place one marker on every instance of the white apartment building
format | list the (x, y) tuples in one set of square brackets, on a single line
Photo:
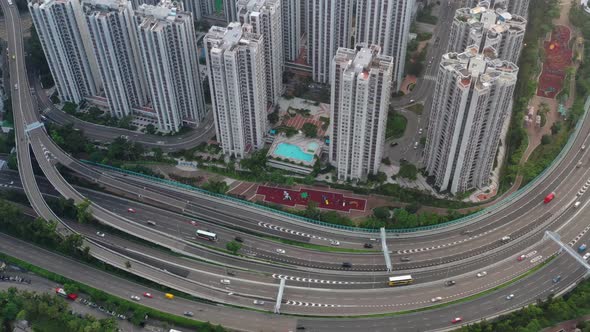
[(66, 43), (169, 54), (386, 23), (292, 28), (235, 60), (487, 27), (265, 17), (471, 102), (360, 101), (329, 25), (115, 46)]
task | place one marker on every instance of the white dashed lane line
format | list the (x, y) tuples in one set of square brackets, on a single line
[(318, 281), (290, 231)]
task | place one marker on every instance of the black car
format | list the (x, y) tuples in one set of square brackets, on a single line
[(450, 283), (239, 239), (346, 265), (405, 259), (368, 245)]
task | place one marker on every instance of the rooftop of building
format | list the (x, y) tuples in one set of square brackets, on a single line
[(105, 5), (233, 35), (161, 15), (482, 17), (363, 58)]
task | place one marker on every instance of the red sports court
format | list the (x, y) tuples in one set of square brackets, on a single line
[(324, 199), (558, 56)]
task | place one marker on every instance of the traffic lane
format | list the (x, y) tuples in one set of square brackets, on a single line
[(527, 290), (229, 317), (410, 297), (258, 272), (178, 225)]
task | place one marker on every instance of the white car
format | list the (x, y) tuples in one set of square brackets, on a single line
[(281, 251), (510, 297), (586, 256), (135, 298), (334, 242), (258, 302), (225, 281), (506, 238), (436, 299), (101, 234), (482, 274)]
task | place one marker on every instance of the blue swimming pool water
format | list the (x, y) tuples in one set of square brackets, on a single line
[(291, 151)]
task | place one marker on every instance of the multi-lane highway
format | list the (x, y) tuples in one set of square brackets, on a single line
[(523, 218)]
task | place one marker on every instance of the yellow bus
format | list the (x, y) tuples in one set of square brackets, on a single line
[(400, 281)]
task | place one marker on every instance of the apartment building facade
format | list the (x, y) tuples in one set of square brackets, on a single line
[(329, 24), (471, 102), (66, 42), (235, 61), (114, 39), (168, 47), (386, 23), (361, 87), (265, 17)]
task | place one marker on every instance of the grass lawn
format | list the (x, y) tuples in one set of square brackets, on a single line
[(396, 125)]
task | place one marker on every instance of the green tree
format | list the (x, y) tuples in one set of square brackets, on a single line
[(70, 108), (83, 211), (233, 247), (151, 129), (381, 213), (309, 130), (408, 171)]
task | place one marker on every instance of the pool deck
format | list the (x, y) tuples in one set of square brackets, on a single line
[(300, 141)]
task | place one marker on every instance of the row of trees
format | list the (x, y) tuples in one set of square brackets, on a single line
[(407, 217), (46, 312)]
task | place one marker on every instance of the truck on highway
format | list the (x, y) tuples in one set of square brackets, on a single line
[(582, 247)]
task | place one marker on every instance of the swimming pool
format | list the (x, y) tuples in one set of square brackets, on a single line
[(291, 151)]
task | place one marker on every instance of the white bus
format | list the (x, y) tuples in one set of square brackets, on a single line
[(207, 235), (401, 280)]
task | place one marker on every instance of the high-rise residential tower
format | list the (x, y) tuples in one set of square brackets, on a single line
[(471, 102), (66, 43), (114, 40), (235, 60), (486, 27), (265, 17), (169, 55), (386, 23), (292, 28), (360, 102), (329, 25)]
